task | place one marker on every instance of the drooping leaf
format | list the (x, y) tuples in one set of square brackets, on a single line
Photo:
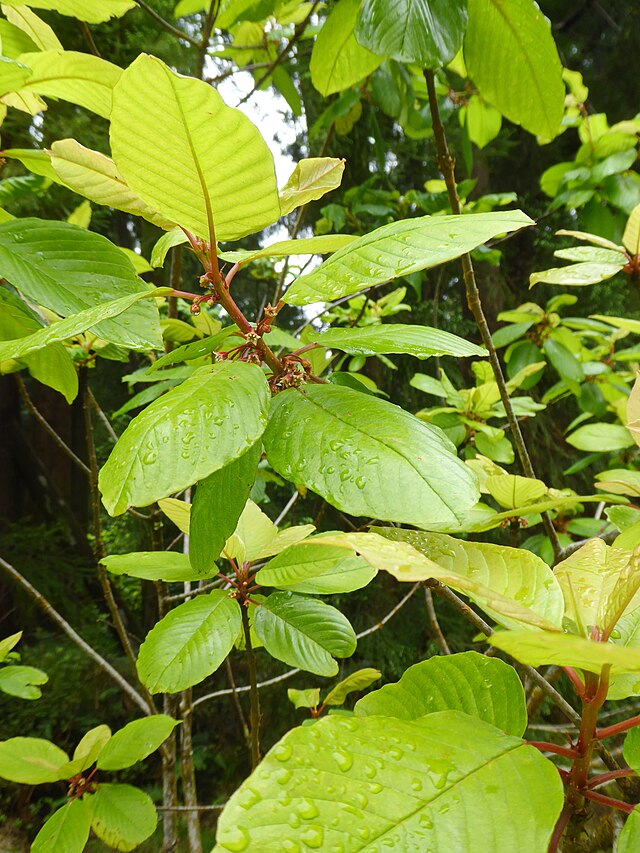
[(257, 537), (420, 341), (189, 643), (337, 60), (314, 568), (217, 506), (312, 178), (537, 648), (367, 457), (412, 785), (359, 680), (321, 245), (304, 632), (22, 681), (80, 78), (486, 688), (31, 760), (578, 275), (399, 249), (71, 326), (427, 32), (68, 269), (122, 816), (135, 742), (177, 511), (91, 11), (169, 566), (67, 829), (35, 28), (600, 438), (193, 136), (94, 175), (512, 58), (186, 435)]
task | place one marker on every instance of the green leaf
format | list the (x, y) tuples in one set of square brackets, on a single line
[(14, 40), (537, 648), (89, 748), (193, 136), (398, 249), (32, 761), (35, 160), (67, 829), (94, 175), (26, 20), (620, 481), (189, 643), (631, 749), (600, 438), (337, 60), (163, 244), (179, 512), (257, 537), (578, 275), (312, 178), (631, 236), (81, 78), (8, 643), (595, 239), (91, 11), (420, 341), (596, 254), (309, 698), (22, 681), (122, 816), (304, 632), (483, 121), (511, 490), (486, 688), (511, 57), (52, 366), (12, 75), (71, 326), (359, 680), (312, 567), (440, 783), (426, 32), (305, 246), (187, 434), (135, 742), (69, 269), (169, 566), (629, 838), (513, 585), (217, 507), (367, 457)]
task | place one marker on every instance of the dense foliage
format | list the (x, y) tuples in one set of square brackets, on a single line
[(224, 472)]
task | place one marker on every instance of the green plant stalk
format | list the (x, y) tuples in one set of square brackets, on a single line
[(254, 713), (446, 165)]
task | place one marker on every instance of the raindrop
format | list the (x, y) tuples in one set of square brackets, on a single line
[(235, 839), (313, 837)]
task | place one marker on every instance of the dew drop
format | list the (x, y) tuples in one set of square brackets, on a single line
[(149, 458), (307, 809), (282, 752), (313, 837), (343, 759), (235, 839)]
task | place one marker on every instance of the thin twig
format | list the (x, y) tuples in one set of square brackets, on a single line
[(210, 20), (254, 712), (294, 497), (446, 166), (166, 25), (390, 614), (66, 628), (236, 702), (106, 423), (88, 37), (190, 808), (44, 423), (432, 618)]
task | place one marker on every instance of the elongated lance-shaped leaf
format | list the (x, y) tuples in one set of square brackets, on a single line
[(512, 58), (624, 595), (15, 41), (358, 680), (420, 341), (486, 688), (68, 269), (195, 160), (367, 457), (169, 566), (322, 245), (631, 236), (547, 647), (95, 176), (440, 783), (189, 643), (304, 632), (135, 741), (34, 27), (312, 178), (316, 568), (80, 78), (67, 829), (70, 327), (8, 643), (217, 506), (337, 60), (190, 432), (578, 275), (91, 11), (122, 816), (427, 32), (398, 249)]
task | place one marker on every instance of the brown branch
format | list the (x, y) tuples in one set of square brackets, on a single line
[(254, 712), (432, 619), (166, 25), (446, 165)]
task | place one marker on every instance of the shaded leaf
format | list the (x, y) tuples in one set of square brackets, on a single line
[(31, 761), (22, 681), (359, 680), (135, 742), (67, 829), (122, 816)]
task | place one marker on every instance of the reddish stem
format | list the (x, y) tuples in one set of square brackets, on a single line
[(543, 746), (565, 814), (618, 728), (575, 679), (602, 778), (609, 801)]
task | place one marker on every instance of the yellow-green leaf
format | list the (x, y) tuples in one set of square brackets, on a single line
[(511, 490), (631, 236), (189, 156), (311, 179), (91, 11), (37, 30)]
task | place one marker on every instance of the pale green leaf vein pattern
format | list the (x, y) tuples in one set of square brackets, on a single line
[(400, 248), (188, 155), (419, 341)]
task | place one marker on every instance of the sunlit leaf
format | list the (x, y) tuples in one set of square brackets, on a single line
[(419, 341), (169, 566), (31, 761), (310, 180), (135, 741), (91, 11)]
